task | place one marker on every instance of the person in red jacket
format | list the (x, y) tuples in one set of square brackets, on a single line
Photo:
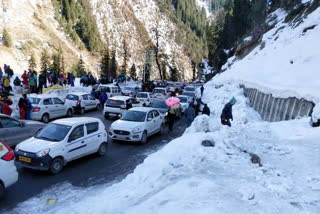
[(5, 108), (25, 78)]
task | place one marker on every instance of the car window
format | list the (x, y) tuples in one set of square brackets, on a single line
[(8, 123), (105, 89), (150, 115), (85, 97), (34, 100), (142, 95), (92, 127), (114, 103), (72, 97), (155, 114), (58, 101), (47, 102), (77, 133), (91, 97)]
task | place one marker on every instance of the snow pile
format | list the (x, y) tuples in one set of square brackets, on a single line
[(288, 65)]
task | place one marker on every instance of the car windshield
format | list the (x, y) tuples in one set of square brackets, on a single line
[(142, 95), (189, 89), (113, 102), (72, 97), (183, 99), (34, 100), (190, 94), (135, 116), (158, 91), (53, 132), (159, 104)]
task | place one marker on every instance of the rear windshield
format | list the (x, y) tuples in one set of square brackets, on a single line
[(142, 95), (189, 89), (34, 100), (190, 94), (183, 99), (159, 91), (72, 97), (112, 102)]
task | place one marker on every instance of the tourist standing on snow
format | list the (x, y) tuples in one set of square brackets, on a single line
[(202, 90), (226, 114), (28, 107), (17, 82), (25, 78), (71, 79), (190, 114), (22, 108), (206, 110)]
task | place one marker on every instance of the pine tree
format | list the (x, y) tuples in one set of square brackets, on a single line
[(7, 41), (44, 61), (80, 69), (113, 65), (32, 62), (105, 63), (133, 72)]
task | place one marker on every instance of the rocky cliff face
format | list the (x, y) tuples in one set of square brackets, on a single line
[(33, 27)]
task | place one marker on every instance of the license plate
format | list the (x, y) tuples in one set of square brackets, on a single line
[(1, 148), (141, 100), (112, 115), (25, 159)]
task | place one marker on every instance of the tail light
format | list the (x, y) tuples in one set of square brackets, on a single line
[(36, 109), (123, 106), (78, 102), (148, 99), (164, 93), (10, 154)]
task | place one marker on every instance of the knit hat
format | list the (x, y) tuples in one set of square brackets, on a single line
[(233, 101)]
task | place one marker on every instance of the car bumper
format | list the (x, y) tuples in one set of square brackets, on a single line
[(38, 163), (131, 137), (36, 116)]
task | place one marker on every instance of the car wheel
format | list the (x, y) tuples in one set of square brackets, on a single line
[(102, 149), (1, 190), (144, 137), (45, 118), (56, 166), (82, 111), (69, 113)]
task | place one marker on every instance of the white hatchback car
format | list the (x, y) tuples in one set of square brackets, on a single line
[(46, 108), (62, 141), (83, 101), (160, 93), (137, 125), (8, 171), (115, 107), (145, 98), (184, 102)]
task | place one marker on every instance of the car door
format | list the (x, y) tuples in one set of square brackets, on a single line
[(94, 136), (49, 108), (76, 145), (9, 130), (150, 123), (92, 101), (59, 107), (86, 101), (158, 120)]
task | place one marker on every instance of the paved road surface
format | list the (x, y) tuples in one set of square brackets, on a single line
[(120, 160)]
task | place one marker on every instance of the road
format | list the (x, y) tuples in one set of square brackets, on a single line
[(120, 160)]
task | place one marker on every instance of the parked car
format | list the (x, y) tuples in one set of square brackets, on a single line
[(62, 141), (189, 89), (14, 131), (145, 98), (160, 93), (110, 89), (115, 107), (130, 91), (137, 125), (82, 102), (162, 107), (46, 108), (189, 94), (184, 102), (9, 174)]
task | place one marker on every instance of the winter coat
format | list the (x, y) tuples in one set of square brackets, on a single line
[(32, 81), (25, 79), (190, 113), (6, 109), (6, 82), (103, 97), (206, 110), (227, 112), (42, 80), (17, 82)]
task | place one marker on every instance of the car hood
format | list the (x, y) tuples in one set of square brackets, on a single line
[(127, 125), (32, 122), (35, 145)]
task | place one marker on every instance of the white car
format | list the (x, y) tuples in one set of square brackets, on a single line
[(82, 101), (8, 171), (145, 98), (137, 125), (110, 89), (130, 91), (62, 141), (46, 108), (115, 107), (184, 102), (189, 89), (160, 93)]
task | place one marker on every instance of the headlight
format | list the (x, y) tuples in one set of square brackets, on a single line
[(166, 114), (43, 153), (137, 130)]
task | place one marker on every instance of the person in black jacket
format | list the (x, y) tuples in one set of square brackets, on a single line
[(17, 81), (206, 110), (226, 114)]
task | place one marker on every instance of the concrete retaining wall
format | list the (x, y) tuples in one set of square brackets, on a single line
[(277, 109)]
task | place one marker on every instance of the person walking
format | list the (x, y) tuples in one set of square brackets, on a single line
[(226, 114), (171, 116), (190, 114), (32, 83), (25, 78), (103, 98), (71, 79), (206, 110), (202, 90), (22, 108), (28, 107), (42, 82)]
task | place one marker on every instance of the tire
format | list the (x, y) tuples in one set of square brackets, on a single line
[(56, 166), (144, 138), (2, 189), (82, 111), (45, 118), (69, 113), (102, 149)]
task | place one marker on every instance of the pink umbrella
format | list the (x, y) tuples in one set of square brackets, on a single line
[(172, 101)]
